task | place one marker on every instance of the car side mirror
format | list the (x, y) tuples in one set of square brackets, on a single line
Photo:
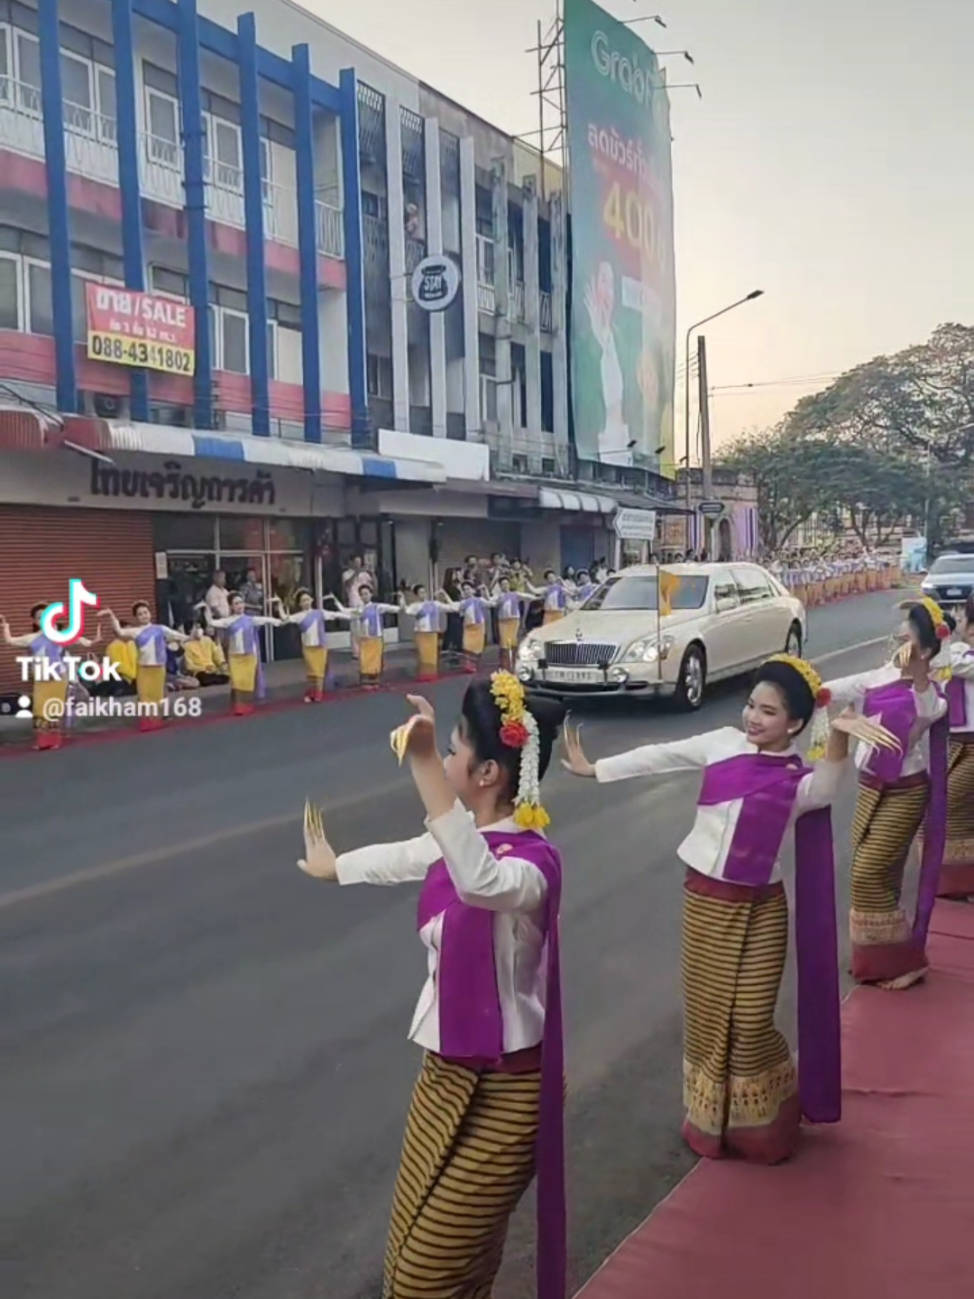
[(726, 603)]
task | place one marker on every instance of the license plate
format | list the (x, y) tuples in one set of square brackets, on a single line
[(954, 593), (576, 676)]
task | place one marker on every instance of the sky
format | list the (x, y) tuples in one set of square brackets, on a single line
[(828, 163)]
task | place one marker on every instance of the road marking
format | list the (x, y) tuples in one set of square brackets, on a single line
[(138, 861), (851, 649)]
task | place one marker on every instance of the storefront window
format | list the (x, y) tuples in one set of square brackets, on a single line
[(289, 534), (184, 532), (241, 534)]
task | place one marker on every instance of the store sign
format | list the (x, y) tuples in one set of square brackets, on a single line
[(635, 525), (436, 283), (130, 328), (172, 483)]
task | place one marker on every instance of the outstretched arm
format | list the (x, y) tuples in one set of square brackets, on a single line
[(649, 760)]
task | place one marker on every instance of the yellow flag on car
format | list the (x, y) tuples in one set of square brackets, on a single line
[(669, 584)]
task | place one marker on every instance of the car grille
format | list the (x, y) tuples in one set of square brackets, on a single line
[(579, 653), (964, 588)]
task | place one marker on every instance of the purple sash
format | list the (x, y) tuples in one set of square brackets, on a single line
[(247, 629), (893, 706), (475, 606), (42, 648), (315, 618), (767, 786), (472, 1026), (935, 832), (155, 636), (957, 699), (556, 598), (370, 620), (509, 608)]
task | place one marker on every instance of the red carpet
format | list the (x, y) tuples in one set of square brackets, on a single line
[(882, 1204)]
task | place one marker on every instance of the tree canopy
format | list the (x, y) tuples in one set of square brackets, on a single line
[(889, 440)]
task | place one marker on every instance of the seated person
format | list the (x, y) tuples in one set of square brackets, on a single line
[(203, 659), (176, 679)]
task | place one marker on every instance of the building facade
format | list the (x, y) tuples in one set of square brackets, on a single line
[(275, 184)]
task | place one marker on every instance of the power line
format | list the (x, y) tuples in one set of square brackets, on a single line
[(796, 380)]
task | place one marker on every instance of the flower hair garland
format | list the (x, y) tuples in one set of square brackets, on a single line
[(519, 730), (819, 730)]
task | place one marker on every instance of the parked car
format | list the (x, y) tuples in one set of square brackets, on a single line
[(950, 581), (724, 620)]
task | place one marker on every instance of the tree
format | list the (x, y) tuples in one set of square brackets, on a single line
[(890, 440), (920, 400)]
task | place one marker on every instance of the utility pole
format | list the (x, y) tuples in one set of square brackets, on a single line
[(703, 398)]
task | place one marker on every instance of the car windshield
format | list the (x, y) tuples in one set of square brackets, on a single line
[(953, 564), (623, 593)]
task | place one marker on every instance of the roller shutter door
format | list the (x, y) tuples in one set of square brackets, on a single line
[(41, 549)]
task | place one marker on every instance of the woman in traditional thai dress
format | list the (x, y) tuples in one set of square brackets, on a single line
[(741, 1091), (897, 791), (957, 871), (49, 697), (426, 614), (553, 593), (151, 640), (509, 605), (487, 1110), (584, 588), (243, 653), (313, 623), (367, 623), (473, 609)]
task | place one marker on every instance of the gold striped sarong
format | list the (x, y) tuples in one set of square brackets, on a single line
[(370, 656), (315, 664), (467, 1158), (886, 822), (427, 654), (957, 872), (740, 1085)]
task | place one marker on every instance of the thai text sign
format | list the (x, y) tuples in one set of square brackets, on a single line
[(130, 328), (623, 283)]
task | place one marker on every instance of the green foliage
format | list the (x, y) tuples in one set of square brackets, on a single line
[(889, 440)]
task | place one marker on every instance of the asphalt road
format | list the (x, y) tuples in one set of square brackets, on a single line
[(204, 1066)]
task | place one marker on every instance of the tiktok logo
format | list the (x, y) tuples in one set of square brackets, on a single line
[(72, 612)]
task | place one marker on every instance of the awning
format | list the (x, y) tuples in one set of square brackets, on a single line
[(552, 498), (23, 428), (106, 436)]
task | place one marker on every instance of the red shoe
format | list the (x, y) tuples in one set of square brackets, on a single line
[(150, 724), (47, 740), (242, 710)]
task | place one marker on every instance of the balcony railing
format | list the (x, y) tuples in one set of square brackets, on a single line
[(91, 150), (415, 252), (546, 327)]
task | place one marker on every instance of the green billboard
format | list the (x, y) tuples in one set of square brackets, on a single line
[(623, 310)]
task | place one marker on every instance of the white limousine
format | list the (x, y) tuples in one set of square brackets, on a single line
[(724, 620)]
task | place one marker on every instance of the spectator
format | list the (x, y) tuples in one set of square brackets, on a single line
[(252, 592), (203, 659), (217, 598)]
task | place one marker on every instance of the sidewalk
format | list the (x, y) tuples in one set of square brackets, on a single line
[(881, 1204), (284, 684)]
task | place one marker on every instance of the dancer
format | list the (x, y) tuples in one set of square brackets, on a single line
[(556, 598), (150, 641), (314, 642), (487, 1111), (957, 871), (368, 633), (508, 604), (472, 608), (896, 791), (49, 697), (426, 630), (584, 587), (741, 1092), (243, 652)]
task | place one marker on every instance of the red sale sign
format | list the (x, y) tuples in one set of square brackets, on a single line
[(130, 328)]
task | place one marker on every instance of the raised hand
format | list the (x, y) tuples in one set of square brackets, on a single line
[(417, 737), (861, 728), (575, 760), (319, 858)]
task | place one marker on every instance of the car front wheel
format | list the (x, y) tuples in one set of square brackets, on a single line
[(693, 680)]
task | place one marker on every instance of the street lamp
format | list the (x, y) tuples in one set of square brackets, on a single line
[(755, 293)]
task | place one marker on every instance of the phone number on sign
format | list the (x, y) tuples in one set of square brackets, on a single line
[(56, 709), (122, 350)]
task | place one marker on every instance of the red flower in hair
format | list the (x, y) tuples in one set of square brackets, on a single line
[(824, 697), (514, 735), (943, 632)]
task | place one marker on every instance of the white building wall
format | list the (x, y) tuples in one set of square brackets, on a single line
[(434, 247)]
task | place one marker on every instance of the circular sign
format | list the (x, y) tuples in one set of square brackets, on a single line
[(436, 282)]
